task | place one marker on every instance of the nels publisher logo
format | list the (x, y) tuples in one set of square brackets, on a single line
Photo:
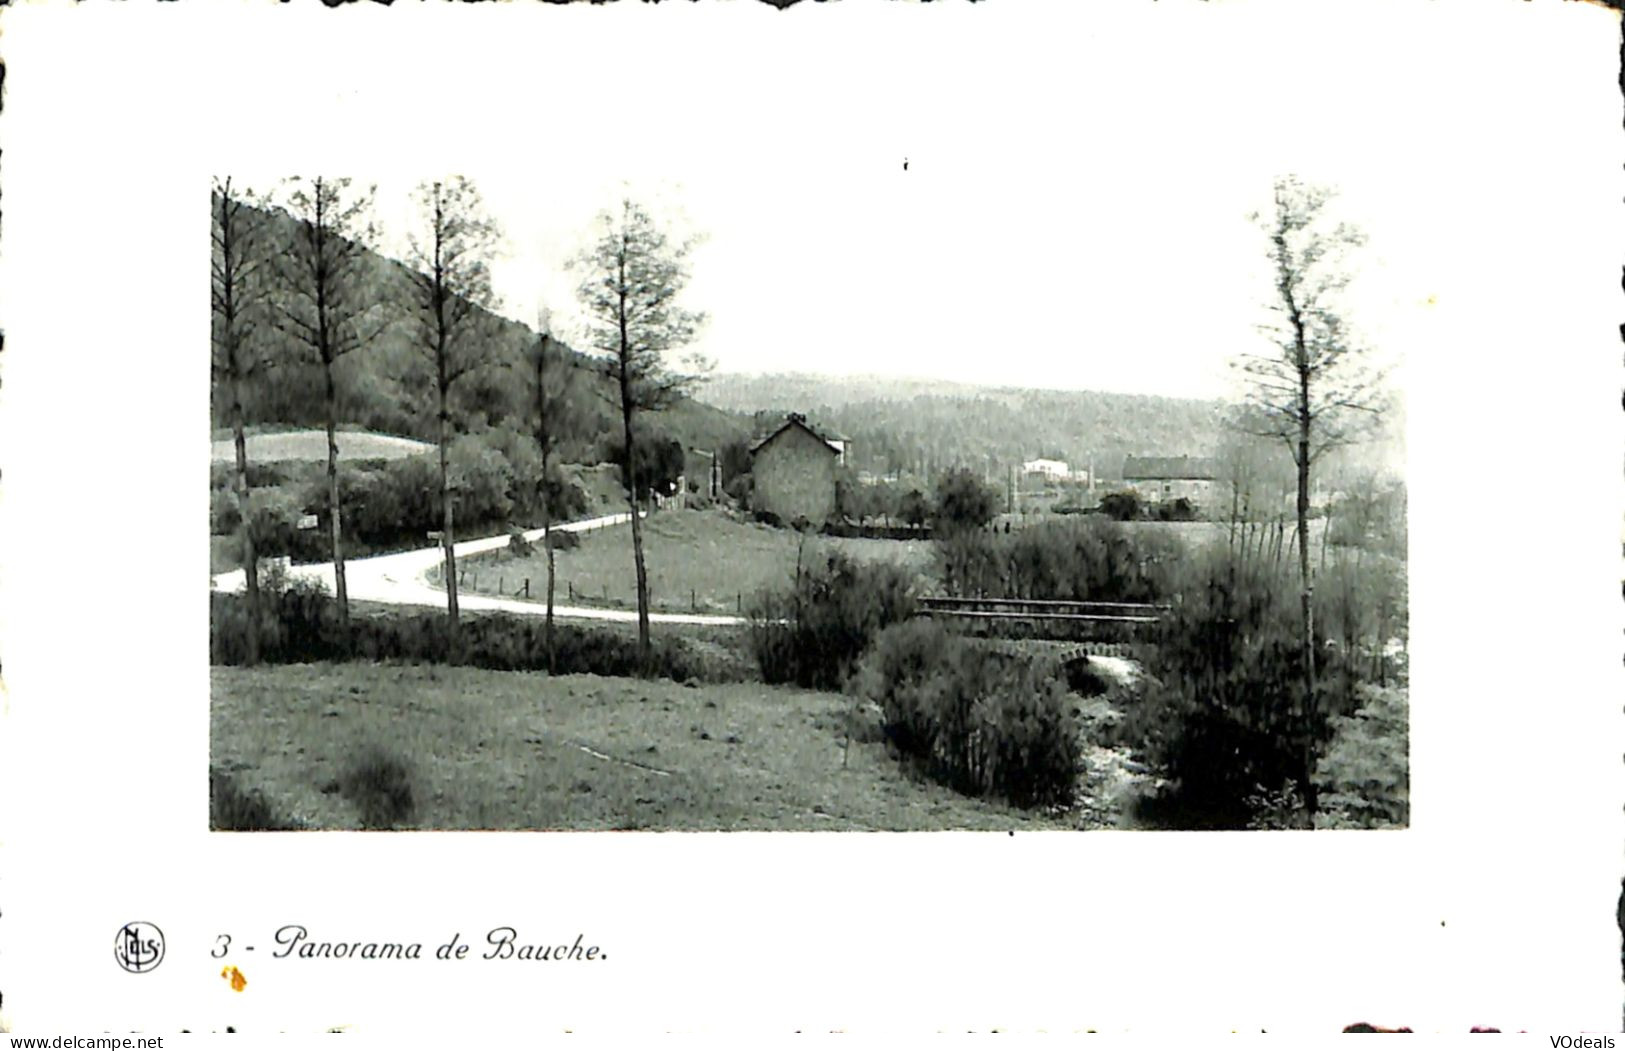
[(139, 947)]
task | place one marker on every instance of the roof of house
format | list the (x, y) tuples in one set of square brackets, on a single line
[(1169, 468), (795, 419)]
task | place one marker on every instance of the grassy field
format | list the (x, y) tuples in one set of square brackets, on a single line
[(699, 560), (512, 750), (312, 445)]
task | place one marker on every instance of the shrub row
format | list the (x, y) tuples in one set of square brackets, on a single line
[(394, 504), (1092, 559), (980, 721), (263, 474), (301, 625), (813, 633)]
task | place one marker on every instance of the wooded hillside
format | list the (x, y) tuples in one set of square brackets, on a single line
[(912, 425), (387, 385)]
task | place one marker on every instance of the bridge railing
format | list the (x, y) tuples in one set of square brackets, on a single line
[(1010, 609)]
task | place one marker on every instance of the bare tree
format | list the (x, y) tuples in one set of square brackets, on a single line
[(238, 288), (552, 403), (632, 277), (451, 284), (328, 310), (1314, 390)]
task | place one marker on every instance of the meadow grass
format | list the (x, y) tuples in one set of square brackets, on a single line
[(516, 750)]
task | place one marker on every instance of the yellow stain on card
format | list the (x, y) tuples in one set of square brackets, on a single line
[(235, 977)]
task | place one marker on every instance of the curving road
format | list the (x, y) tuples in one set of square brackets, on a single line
[(402, 579)]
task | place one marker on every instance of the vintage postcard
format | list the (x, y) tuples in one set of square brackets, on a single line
[(859, 517)]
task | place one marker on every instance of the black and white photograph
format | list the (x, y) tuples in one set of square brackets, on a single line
[(581, 573), (857, 517)]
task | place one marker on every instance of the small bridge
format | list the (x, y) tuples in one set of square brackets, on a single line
[(1087, 666)]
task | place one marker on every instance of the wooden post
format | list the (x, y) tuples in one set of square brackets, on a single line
[(693, 603), (571, 585), (527, 587)]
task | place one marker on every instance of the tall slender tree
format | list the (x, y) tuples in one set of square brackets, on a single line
[(238, 287), (451, 283), (552, 404), (1315, 389), (632, 277), (329, 310)]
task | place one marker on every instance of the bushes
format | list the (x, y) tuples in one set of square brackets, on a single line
[(1222, 714), (235, 809), (739, 489), (979, 721), (301, 625), (380, 785), (1180, 510), (1123, 506), (813, 633), (1364, 775), (396, 504), (1088, 560), (963, 502)]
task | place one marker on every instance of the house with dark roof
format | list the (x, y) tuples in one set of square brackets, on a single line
[(1159, 479), (793, 471)]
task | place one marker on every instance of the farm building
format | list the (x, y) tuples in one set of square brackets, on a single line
[(1052, 469), (793, 471), (1163, 478)]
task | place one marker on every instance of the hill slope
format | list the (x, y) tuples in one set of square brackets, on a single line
[(387, 386), (922, 424)]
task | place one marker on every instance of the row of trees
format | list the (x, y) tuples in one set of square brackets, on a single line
[(313, 295)]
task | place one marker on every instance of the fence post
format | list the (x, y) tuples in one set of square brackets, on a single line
[(571, 585), (527, 587), (693, 603)]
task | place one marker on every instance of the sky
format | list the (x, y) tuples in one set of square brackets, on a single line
[(1074, 208)]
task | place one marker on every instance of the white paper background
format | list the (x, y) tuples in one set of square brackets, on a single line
[(1490, 132)]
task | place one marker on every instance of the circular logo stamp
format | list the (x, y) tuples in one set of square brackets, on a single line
[(139, 947)]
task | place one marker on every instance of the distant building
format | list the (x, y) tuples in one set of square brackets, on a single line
[(1053, 469), (1166, 478), (793, 472)]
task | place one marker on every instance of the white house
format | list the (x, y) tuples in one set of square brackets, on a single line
[(1055, 469)]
